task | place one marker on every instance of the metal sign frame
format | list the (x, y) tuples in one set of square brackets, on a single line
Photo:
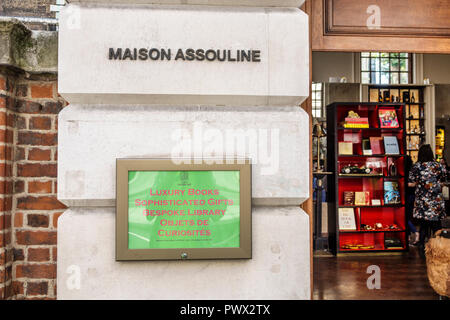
[(123, 253)]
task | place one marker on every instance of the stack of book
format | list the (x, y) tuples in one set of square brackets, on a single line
[(356, 123)]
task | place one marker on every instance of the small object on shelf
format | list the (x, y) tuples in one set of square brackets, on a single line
[(353, 120), (347, 219), (376, 202), (388, 118), (378, 225), (393, 243), (362, 198), (392, 169), (391, 145), (356, 246), (367, 151), (413, 99), (386, 96), (376, 145), (354, 169), (405, 96), (391, 192), (349, 198), (345, 148)]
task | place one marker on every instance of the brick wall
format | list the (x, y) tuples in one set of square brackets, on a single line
[(28, 168)]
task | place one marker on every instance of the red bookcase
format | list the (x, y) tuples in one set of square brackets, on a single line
[(367, 184)]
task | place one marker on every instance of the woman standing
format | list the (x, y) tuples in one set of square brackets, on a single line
[(427, 177)]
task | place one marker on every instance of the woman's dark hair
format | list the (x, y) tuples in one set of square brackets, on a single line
[(425, 153)]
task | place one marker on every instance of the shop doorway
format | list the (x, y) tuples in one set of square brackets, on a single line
[(355, 61)]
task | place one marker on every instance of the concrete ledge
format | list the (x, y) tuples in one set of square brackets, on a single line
[(279, 268), (91, 138), (31, 51), (237, 3)]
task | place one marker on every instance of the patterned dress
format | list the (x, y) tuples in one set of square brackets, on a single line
[(429, 203)]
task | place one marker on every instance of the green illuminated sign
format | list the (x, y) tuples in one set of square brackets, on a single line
[(183, 209), (167, 211)]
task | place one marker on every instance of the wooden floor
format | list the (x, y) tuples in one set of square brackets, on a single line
[(403, 277)]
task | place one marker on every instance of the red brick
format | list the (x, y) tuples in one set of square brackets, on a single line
[(2, 83), (37, 220), (36, 170), (5, 239), (55, 218), (39, 154), (18, 255), (52, 107), (55, 254), (20, 122), (18, 287), (6, 204), (41, 123), (5, 153), (22, 90), (37, 288), (2, 135), (39, 254), (36, 271), (18, 219), (20, 153), (9, 136), (23, 106), (2, 115), (2, 103), (39, 203), (5, 221), (40, 186), (19, 186), (37, 138), (41, 91), (27, 237)]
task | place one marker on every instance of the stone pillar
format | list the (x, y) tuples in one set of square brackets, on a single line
[(124, 105)]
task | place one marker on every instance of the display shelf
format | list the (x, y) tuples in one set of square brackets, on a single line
[(413, 97), (352, 193)]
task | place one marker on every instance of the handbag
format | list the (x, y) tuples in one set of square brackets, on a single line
[(445, 193)]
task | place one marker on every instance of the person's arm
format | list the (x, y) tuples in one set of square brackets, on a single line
[(413, 177)]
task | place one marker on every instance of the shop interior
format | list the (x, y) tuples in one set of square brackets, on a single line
[(371, 113)]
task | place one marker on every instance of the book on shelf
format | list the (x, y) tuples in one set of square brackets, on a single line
[(356, 122), (393, 243), (376, 144), (391, 192), (388, 118), (356, 125), (376, 202), (362, 198), (345, 148), (347, 219), (391, 146), (367, 150), (349, 198)]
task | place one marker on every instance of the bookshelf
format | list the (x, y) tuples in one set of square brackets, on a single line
[(366, 211)]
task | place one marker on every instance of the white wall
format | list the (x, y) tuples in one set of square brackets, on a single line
[(436, 67), (332, 64)]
